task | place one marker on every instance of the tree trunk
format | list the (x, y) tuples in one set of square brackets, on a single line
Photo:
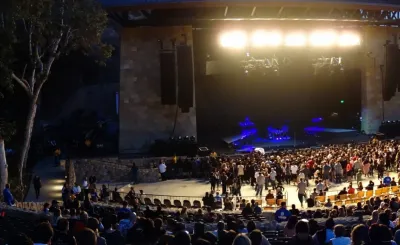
[(3, 165), (30, 121)]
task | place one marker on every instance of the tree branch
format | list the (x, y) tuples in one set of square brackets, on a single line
[(30, 40), (38, 58), (3, 23), (23, 84), (65, 42), (23, 73), (33, 79)]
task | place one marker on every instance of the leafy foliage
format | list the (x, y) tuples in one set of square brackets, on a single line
[(40, 31), (7, 129), (34, 34)]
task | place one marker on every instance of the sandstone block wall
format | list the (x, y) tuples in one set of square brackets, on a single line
[(143, 119), (373, 57), (112, 170)]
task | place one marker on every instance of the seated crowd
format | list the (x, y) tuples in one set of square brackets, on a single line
[(83, 220), (97, 224)]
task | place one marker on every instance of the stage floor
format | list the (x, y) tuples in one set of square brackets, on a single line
[(195, 189), (339, 138)]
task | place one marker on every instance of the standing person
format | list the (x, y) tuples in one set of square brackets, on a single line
[(57, 155), (338, 172), (301, 188), (76, 190), (294, 168), (37, 184), (213, 181), (85, 186), (272, 178), (326, 170), (260, 184), (287, 173), (8, 197), (224, 180), (65, 192), (240, 169), (163, 169)]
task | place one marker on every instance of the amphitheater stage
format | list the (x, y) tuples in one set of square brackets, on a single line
[(193, 189), (319, 138)]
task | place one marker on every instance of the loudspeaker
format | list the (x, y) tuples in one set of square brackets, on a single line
[(185, 77), (392, 71), (168, 77)]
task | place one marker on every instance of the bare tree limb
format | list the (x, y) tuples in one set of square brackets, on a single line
[(67, 38), (33, 79), (30, 40), (23, 73), (3, 23), (23, 84), (38, 58), (23, 21)]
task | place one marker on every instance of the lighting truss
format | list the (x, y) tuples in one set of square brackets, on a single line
[(204, 17)]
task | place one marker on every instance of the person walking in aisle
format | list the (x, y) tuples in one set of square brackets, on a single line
[(260, 184), (301, 190), (37, 184)]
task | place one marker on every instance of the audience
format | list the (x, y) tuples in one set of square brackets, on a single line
[(136, 224)]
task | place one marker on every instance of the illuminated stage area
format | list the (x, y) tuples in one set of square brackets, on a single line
[(197, 68), (252, 136)]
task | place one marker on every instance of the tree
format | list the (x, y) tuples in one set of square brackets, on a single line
[(35, 33), (7, 130)]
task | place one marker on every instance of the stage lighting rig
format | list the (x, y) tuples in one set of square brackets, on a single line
[(262, 66), (333, 64)]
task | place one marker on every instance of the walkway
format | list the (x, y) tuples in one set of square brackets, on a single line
[(52, 181), (192, 189)]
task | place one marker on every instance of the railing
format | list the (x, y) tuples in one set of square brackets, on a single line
[(360, 196), (180, 200)]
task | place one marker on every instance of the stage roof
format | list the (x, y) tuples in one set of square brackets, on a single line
[(159, 3), (202, 13)]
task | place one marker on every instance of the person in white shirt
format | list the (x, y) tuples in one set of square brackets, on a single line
[(293, 169), (272, 178), (320, 186), (240, 169), (260, 184), (256, 174), (163, 169)]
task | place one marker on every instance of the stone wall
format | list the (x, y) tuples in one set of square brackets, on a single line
[(143, 119), (373, 57), (112, 170)]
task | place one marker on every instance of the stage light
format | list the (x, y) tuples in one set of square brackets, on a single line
[(295, 40), (234, 39), (349, 39), (263, 39), (342, 102), (323, 38)]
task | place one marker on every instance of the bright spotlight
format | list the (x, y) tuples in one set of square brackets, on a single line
[(234, 39), (263, 38), (323, 38), (295, 40), (349, 39)]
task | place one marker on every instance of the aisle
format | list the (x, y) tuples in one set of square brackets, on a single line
[(52, 181)]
